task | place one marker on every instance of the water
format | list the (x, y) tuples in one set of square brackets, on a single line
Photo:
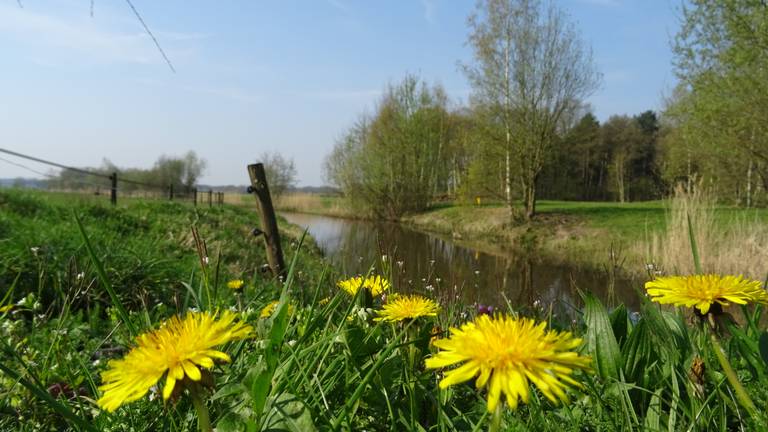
[(433, 264)]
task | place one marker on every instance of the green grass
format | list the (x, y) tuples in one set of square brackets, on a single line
[(314, 365)]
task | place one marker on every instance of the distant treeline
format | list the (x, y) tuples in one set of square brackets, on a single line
[(526, 133), (182, 172)]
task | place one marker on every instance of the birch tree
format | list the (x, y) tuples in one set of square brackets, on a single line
[(532, 69)]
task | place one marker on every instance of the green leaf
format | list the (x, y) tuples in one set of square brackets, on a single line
[(288, 413), (764, 346), (231, 422), (229, 390), (620, 323), (258, 380), (638, 354), (601, 342), (653, 417), (105, 280)]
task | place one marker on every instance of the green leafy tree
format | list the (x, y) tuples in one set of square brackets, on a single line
[(396, 160), (531, 69), (721, 57)]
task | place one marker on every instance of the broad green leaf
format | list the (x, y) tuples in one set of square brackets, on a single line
[(231, 422), (620, 323), (653, 416), (601, 342), (288, 413)]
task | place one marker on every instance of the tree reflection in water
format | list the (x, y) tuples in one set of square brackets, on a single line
[(431, 264)]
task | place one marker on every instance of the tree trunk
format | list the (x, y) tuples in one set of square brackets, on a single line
[(619, 165), (749, 184), (530, 205), (508, 177), (530, 198)]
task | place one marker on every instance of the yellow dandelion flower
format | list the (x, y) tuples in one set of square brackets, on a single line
[(702, 291), (375, 284), (505, 353), (178, 349), (270, 309), (407, 307), (235, 284)]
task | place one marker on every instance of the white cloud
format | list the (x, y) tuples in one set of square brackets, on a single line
[(429, 10), (338, 5)]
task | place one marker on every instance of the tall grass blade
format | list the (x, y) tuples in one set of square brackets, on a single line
[(105, 280), (694, 246)]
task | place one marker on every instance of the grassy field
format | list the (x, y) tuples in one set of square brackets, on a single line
[(80, 280)]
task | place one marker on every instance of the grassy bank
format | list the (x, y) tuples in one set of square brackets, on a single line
[(579, 232), (81, 280)]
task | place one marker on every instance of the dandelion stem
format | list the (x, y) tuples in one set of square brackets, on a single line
[(203, 419), (496, 419), (741, 394)]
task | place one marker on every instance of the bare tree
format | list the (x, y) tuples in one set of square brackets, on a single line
[(531, 69), (280, 171)]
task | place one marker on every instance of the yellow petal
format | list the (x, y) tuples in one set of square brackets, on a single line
[(170, 383)]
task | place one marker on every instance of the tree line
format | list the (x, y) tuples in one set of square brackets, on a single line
[(181, 172), (526, 132)]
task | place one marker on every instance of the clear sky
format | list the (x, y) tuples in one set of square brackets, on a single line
[(255, 76)]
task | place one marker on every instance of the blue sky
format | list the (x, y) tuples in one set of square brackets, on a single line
[(255, 76)]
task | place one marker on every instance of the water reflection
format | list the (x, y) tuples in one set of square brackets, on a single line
[(424, 262)]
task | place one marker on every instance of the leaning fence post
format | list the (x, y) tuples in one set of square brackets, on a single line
[(268, 220), (113, 192)]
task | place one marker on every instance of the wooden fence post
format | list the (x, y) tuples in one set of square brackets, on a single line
[(170, 192), (113, 192), (194, 196), (210, 197), (268, 220)]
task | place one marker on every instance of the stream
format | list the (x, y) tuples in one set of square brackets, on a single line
[(440, 267)]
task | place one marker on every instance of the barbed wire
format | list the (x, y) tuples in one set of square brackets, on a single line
[(26, 168), (74, 169)]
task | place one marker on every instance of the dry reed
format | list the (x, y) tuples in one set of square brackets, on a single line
[(313, 203), (728, 242)]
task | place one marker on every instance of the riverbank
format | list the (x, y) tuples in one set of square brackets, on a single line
[(594, 234), (590, 234)]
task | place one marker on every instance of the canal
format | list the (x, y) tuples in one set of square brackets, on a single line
[(438, 266)]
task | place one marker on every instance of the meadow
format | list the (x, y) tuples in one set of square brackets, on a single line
[(81, 280)]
